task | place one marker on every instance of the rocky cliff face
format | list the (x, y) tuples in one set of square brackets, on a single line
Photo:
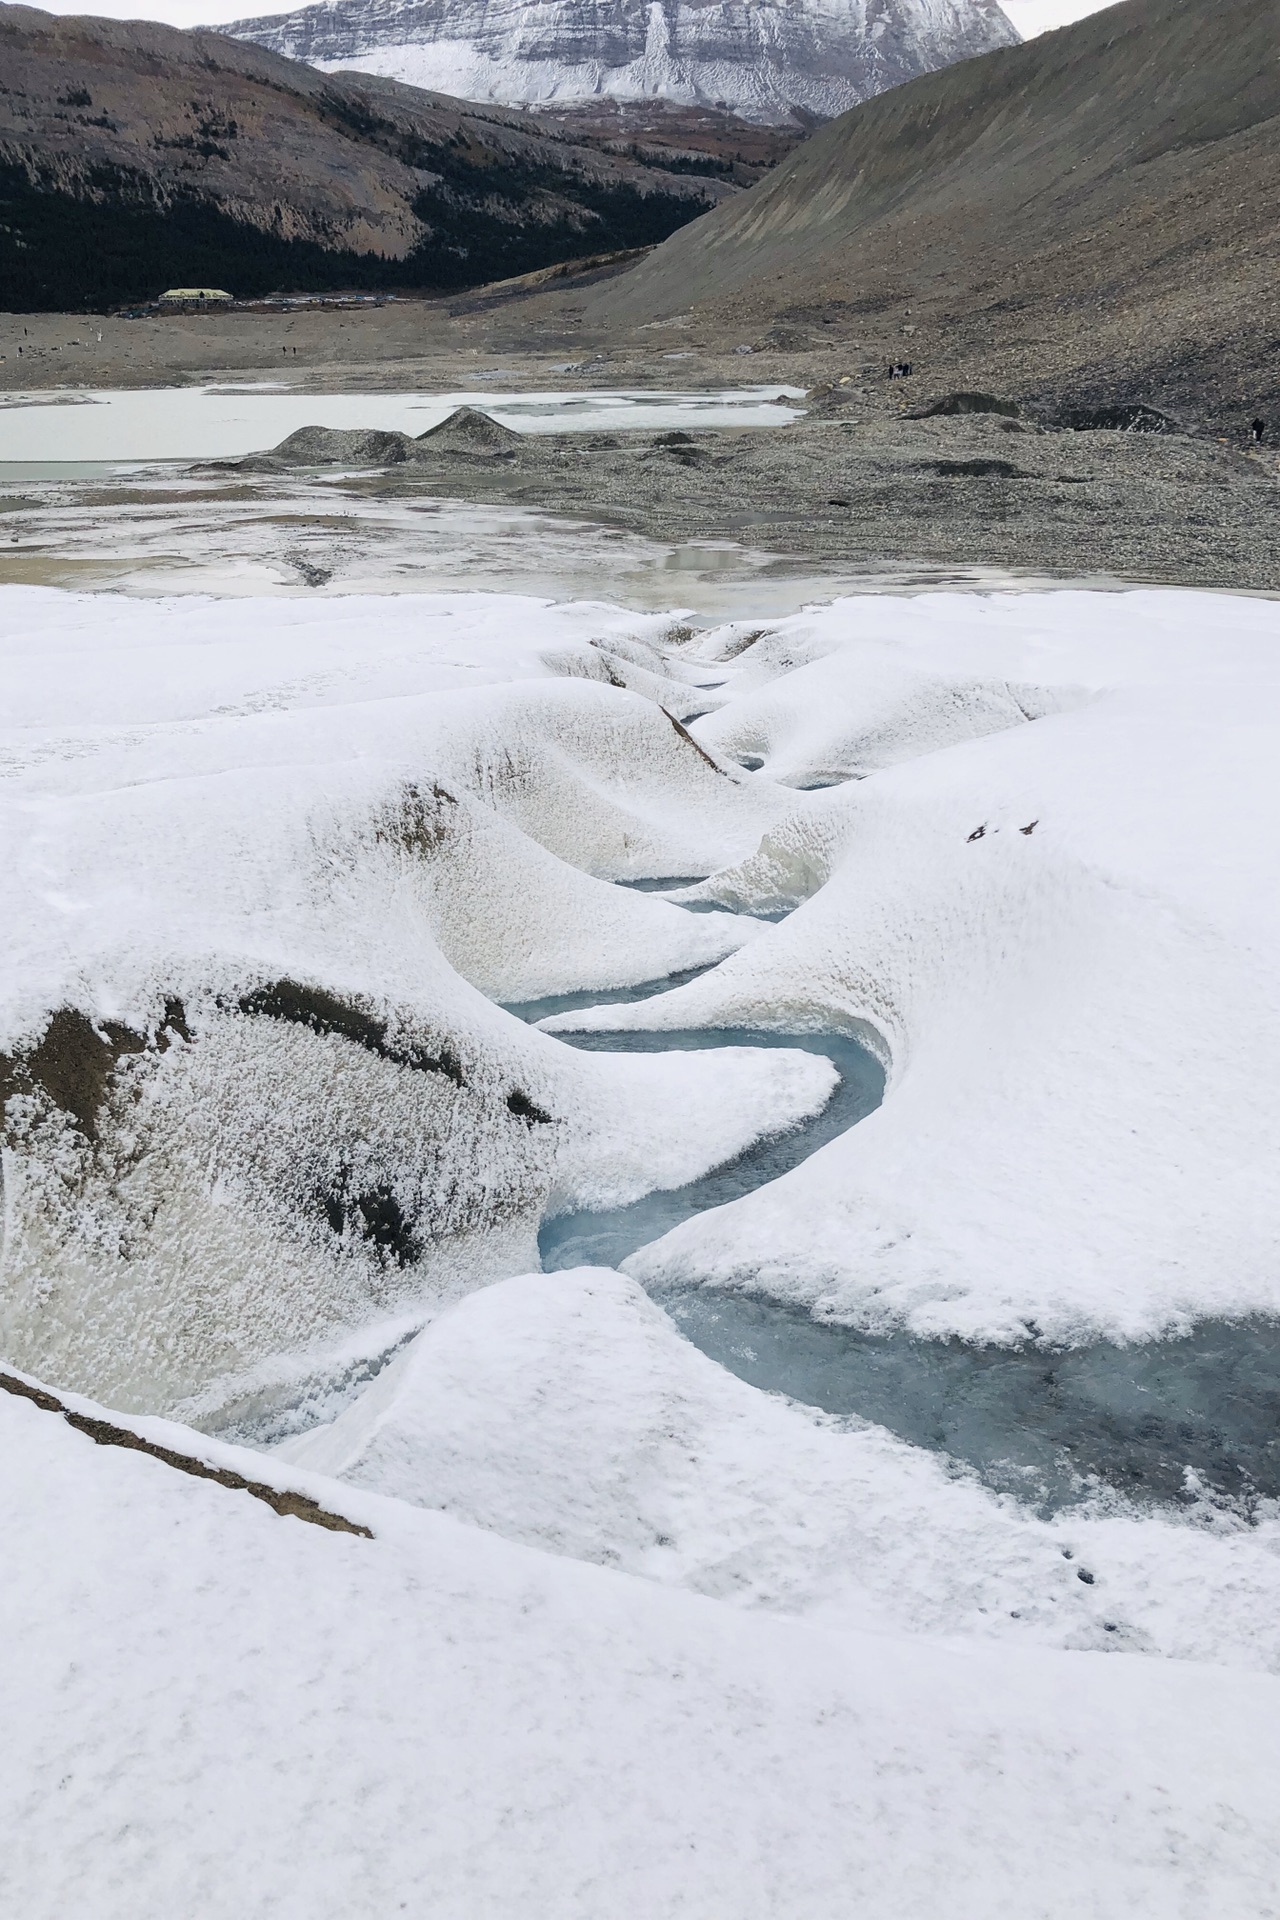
[(135, 157), (772, 61)]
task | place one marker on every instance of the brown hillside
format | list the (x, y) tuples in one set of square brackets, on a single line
[(1091, 217), (134, 156)]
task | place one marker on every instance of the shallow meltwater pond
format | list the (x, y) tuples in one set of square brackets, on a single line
[(169, 529), (1045, 1425)]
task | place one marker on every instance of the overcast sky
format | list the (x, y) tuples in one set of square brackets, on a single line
[(1028, 16)]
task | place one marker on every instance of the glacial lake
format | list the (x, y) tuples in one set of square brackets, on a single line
[(223, 422)]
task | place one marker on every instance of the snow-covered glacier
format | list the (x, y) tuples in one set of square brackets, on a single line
[(775, 61), (287, 883)]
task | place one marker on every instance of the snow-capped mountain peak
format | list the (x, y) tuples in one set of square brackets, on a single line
[(766, 60)]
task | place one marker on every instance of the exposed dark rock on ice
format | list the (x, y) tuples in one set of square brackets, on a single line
[(109, 1433)]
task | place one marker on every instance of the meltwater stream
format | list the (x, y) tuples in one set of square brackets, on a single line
[(605, 1239), (1165, 1420)]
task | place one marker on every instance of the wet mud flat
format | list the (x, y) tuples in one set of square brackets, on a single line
[(329, 531), (871, 488)]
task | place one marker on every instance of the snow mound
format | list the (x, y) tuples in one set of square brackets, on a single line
[(271, 870), (565, 1411), (212, 1709), (1061, 929)]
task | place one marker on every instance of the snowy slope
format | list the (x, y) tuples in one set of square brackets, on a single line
[(212, 1710), (566, 1411), (763, 62)]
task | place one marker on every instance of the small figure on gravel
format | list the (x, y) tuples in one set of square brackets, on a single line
[(1257, 431)]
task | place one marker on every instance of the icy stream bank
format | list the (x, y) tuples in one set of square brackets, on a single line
[(1160, 1420), (606, 1239), (1163, 1420)]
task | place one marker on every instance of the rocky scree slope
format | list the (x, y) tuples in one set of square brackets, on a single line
[(134, 157), (1090, 216), (770, 62)]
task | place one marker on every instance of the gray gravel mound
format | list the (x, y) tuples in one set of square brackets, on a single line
[(344, 447), (469, 431)]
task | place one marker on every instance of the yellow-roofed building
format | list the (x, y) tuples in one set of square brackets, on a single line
[(195, 297)]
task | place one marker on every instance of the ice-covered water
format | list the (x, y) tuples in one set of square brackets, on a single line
[(535, 1010), (221, 422), (1160, 1420)]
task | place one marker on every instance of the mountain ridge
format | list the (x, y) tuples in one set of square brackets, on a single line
[(135, 156), (1089, 215), (778, 61)]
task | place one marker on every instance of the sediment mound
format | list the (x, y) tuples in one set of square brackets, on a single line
[(468, 431), (338, 446)]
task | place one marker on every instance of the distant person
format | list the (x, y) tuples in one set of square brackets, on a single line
[(1257, 430)]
